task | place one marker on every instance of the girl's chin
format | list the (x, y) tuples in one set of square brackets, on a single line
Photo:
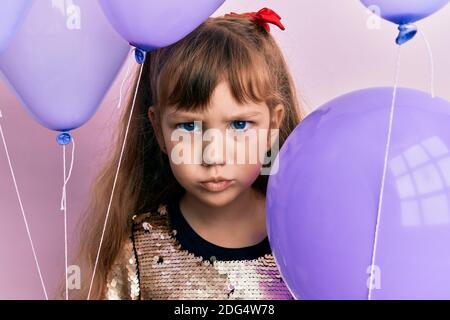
[(217, 199)]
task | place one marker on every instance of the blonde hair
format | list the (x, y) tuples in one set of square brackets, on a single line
[(185, 74)]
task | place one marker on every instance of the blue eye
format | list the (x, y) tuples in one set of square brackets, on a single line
[(240, 125), (189, 126)]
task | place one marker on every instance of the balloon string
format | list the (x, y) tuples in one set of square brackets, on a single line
[(22, 209), (66, 179), (64, 207), (127, 75), (115, 180), (430, 56), (383, 179)]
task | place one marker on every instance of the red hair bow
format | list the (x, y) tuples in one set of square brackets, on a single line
[(263, 17)]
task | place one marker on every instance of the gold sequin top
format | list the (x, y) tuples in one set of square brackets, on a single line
[(153, 265)]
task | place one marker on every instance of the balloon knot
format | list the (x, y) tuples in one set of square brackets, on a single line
[(140, 55), (406, 33), (64, 138)]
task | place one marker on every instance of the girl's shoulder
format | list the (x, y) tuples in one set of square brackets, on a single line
[(123, 277), (148, 221)]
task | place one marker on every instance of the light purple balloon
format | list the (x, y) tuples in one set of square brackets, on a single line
[(322, 204), (154, 24), (405, 11), (62, 61), (12, 14)]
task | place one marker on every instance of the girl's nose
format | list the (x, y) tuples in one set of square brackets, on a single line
[(213, 148)]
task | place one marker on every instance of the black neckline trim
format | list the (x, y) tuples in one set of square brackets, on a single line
[(190, 240)]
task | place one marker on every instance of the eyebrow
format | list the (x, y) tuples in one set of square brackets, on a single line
[(243, 115), (193, 115), (177, 113)]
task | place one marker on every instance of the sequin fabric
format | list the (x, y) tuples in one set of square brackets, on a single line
[(153, 265)]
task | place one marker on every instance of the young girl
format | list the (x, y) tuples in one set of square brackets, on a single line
[(194, 230)]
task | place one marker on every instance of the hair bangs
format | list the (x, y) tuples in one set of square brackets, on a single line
[(203, 59)]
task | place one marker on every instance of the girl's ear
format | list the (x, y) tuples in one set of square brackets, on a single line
[(276, 118), (155, 121)]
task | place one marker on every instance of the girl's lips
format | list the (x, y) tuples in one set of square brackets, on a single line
[(216, 186)]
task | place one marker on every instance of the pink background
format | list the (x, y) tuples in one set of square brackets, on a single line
[(330, 51)]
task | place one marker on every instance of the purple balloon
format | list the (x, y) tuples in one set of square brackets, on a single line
[(62, 61), (405, 11), (12, 14), (154, 24), (322, 203)]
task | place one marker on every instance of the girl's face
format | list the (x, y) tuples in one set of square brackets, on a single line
[(217, 154)]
